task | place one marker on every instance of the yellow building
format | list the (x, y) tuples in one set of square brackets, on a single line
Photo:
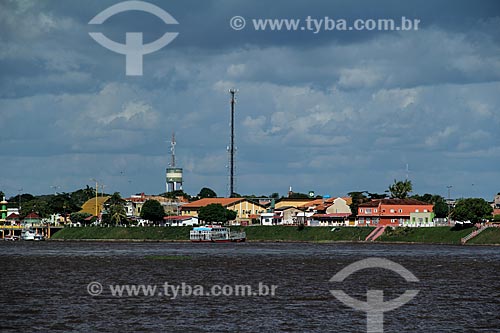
[(292, 202), (90, 205), (244, 208)]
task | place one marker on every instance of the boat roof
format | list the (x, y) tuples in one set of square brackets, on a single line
[(207, 227), (202, 228)]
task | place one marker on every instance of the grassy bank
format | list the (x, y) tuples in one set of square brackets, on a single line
[(308, 234), (254, 233), (443, 235), (130, 233), (488, 236)]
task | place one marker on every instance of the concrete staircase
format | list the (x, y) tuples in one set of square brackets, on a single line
[(475, 233), (375, 234)]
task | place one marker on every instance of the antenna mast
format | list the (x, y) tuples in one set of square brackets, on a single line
[(172, 150), (231, 146)]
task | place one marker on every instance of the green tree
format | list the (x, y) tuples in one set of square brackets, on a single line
[(36, 205), (115, 210), (400, 189), (471, 209), (175, 194), (376, 196), (62, 203), (153, 211), (440, 206), (79, 217), (357, 199), (117, 214), (79, 197), (297, 195), (207, 193), (216, 213), (274, 195), (17, 200)]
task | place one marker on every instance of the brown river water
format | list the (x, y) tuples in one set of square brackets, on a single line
[(45, 287)]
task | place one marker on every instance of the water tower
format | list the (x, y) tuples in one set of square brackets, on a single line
[(173, 174)]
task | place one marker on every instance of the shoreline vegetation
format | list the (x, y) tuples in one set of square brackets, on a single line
[(432, 235)]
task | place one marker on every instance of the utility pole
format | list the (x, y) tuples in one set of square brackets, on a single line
[(231, 146), (96, 194), (20, 190), (55, 187), (449, 203)]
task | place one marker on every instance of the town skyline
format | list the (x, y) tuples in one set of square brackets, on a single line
[(332, 111)]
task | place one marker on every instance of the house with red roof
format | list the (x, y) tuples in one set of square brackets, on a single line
[(329, 211), (395, 212), (13, 219), (32, 219)]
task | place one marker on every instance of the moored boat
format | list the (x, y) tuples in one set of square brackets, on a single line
[(28, 234), (215, 234)]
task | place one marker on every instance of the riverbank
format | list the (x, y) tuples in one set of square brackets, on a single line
[(437, 235), (254, 233)]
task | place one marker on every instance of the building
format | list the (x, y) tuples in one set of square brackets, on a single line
[(291, 202), (3, 210), (133, 204), (289, 215), (328, 211), (32, 219), (420, 219), (180, 221), (244, 208), (270, 219), (94, 205), (13, 219), (392, 212)]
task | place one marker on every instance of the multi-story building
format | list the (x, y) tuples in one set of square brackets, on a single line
[(394, 212), (133, 204), (329, 211)]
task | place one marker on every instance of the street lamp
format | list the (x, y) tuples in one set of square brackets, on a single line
[(449, 202)]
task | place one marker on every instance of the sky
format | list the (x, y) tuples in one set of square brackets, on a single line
[(329, 112)]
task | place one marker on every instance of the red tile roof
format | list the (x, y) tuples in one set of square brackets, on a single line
[(32, 216), (207, 201), (403, 202), (332, 215), (177, 217), (325, 203), (13, 216)]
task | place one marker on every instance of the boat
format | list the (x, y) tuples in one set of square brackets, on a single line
[(11, 238), (215, 234), (39, 237), (28, 234)]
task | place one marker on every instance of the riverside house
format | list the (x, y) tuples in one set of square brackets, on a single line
[(395, 212)]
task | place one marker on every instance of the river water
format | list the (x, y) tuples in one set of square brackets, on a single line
[(45, 287)]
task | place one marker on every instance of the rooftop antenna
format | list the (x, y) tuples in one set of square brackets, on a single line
[(232, 91), (407, 171), (173, 174), (172, 150)]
